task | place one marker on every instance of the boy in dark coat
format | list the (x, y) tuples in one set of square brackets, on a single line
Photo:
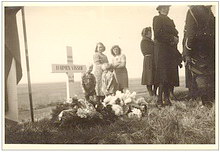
[(88, 84)]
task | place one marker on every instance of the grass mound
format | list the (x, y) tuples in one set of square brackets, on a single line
[(182, 123)]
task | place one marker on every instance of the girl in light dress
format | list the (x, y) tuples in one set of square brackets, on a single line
[(99, 59), (119, 66)]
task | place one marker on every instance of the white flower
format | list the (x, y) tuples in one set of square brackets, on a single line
[(127, 92), (128, 100), (136, 113), (117, 109), (141, 101), (133, 95), (82, 113), (60, 115), (113, 99), (119, 94), (107, 100)]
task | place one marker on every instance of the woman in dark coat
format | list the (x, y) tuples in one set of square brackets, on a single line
[(167, 57), (147, 49)]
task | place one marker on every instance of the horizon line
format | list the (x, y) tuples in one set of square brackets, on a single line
[(65, 81)]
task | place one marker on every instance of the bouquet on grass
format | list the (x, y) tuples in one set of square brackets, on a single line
[(126, 104), (74, 110)]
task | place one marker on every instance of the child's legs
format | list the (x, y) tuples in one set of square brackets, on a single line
[(160, 94), (167, 91), (149, 89), (171, 90), (155, 90)]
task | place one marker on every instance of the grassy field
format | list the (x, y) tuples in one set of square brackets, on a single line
[(50, 93), (185, 122), (47, 95)]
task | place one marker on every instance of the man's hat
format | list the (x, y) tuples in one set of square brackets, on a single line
[(161, 6)]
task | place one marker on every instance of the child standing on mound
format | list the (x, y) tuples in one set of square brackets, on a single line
[(109, 84), (88, 84)]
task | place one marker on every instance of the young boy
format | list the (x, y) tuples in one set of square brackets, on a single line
[(109, 84), (88, 84)]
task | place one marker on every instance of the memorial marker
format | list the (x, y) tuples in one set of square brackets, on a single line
[(69, 69)]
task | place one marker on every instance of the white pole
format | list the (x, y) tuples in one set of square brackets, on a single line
[(70, 81)]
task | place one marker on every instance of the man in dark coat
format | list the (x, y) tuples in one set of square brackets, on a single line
[(189, 81), (199, 48), (167, 57)]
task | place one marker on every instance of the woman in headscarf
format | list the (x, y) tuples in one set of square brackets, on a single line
[(147, 49), (167, 57)]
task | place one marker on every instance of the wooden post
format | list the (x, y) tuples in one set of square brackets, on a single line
[(27, 64)]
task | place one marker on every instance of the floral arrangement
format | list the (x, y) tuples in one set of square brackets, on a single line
[(126, 104), (81, 109), (113, 106)]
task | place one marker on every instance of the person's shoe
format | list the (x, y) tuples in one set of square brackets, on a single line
[(189, 98), (167, 102), (159, 103), (207, 104), (173, 97)]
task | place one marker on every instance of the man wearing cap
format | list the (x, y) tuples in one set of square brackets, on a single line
[(199, 48), (167, 57)]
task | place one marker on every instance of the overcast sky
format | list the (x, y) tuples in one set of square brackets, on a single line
[(51, 27)]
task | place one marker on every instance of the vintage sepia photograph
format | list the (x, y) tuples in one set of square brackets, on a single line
[(110, 75)]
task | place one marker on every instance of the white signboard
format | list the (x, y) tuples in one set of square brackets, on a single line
[(62, 68)]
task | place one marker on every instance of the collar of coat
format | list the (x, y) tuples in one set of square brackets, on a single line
[(147, 38)]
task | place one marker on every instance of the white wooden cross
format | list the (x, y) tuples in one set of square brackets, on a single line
[(69, 69)]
